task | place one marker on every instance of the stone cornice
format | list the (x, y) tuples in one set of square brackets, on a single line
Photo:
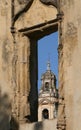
[(38, 31)]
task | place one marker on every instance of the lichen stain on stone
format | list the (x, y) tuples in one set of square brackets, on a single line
[(70, 41), (71, 30), (6, 50)]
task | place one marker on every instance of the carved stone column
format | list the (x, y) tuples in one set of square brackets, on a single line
[(61, 124), (23, 77)]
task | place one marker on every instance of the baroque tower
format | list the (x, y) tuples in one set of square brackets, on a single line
[(48, 95)]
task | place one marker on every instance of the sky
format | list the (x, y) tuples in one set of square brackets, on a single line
[(47, 48)]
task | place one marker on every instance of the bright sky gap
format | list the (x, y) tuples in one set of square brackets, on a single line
[(47, 50)]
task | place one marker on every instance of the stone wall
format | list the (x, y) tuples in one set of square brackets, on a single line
[(18, 60), (6, 49), (70, 64), (15, 75)]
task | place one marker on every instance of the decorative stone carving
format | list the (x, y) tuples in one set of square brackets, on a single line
[(71, 29), (27, 4), (50, 2), (60, 47), (22, 1)]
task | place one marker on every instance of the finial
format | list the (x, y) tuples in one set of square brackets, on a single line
[(48, 63)]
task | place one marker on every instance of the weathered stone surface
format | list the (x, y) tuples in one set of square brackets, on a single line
[(37, 14), (18, 56), (50, 2), (17, 53), (69, 65)]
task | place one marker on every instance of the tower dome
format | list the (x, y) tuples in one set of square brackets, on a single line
[(48, 79)]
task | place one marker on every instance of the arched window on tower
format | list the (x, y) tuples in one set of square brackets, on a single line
[(45, 114), (46, 86)]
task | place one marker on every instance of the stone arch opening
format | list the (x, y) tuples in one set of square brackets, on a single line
[(45, 114), (47, 86)]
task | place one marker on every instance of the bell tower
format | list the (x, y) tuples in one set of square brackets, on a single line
[(48, 95)]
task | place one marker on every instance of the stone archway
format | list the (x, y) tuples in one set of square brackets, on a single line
[(45, 114)]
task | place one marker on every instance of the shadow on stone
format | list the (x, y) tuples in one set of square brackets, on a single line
[(5, 113), (5, 108), (33, 95), (38, 126), (14, 124)]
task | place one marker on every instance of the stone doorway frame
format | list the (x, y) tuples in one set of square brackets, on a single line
[(35, 33)]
